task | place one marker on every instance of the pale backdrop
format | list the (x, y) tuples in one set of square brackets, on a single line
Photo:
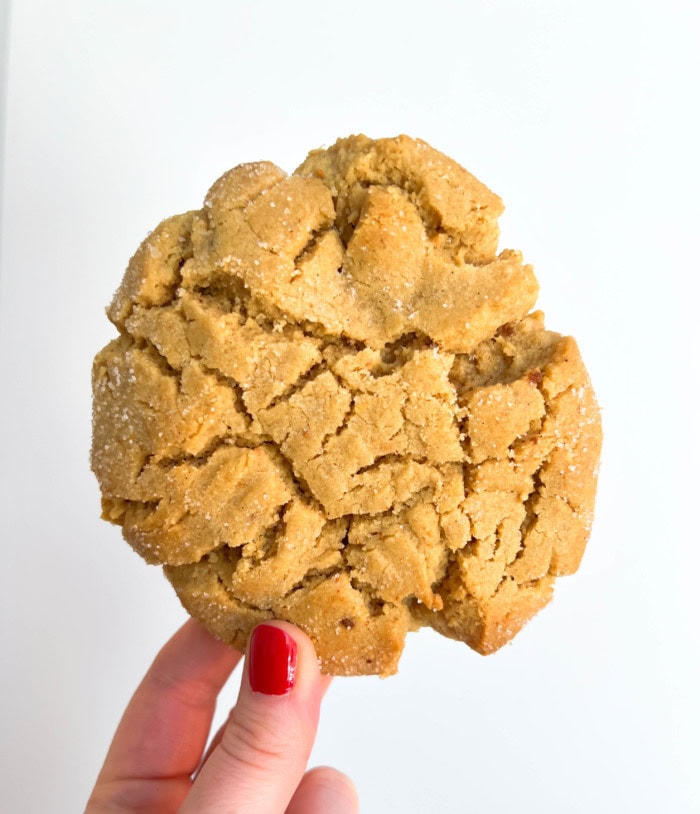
[(582, 116)]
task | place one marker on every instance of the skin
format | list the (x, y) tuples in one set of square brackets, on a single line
[(255, 764)]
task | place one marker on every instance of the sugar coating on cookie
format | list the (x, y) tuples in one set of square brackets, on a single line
[(330, 402)]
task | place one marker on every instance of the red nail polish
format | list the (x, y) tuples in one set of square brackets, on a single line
[(272, 660)]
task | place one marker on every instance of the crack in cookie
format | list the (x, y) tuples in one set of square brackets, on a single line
[(331, 403)]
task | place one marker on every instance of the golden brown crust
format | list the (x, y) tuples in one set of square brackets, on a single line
[(328, 404)]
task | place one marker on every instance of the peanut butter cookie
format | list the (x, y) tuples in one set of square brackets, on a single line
[(330, 402)]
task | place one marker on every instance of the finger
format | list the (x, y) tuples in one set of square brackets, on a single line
[(216, 740), (174, 704), (322, 790), (266, 744), (163, 732)]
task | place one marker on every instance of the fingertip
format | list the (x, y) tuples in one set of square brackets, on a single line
[(281, 658), (195, 630), (328, 778), (192, 647), (325, 789)]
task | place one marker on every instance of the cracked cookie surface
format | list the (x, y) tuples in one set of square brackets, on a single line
[(329, 402)]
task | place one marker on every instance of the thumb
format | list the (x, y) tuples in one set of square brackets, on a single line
[(266, 743)]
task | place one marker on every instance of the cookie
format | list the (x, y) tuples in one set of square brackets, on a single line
[(330, 402)]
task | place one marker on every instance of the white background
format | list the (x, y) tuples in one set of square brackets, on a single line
[(582, 116)]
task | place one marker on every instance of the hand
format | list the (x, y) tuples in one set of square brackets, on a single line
[(256, 761)]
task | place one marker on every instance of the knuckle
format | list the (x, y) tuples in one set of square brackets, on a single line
[(257, 741)]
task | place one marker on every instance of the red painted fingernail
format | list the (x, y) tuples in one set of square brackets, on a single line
[(272, 660)]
